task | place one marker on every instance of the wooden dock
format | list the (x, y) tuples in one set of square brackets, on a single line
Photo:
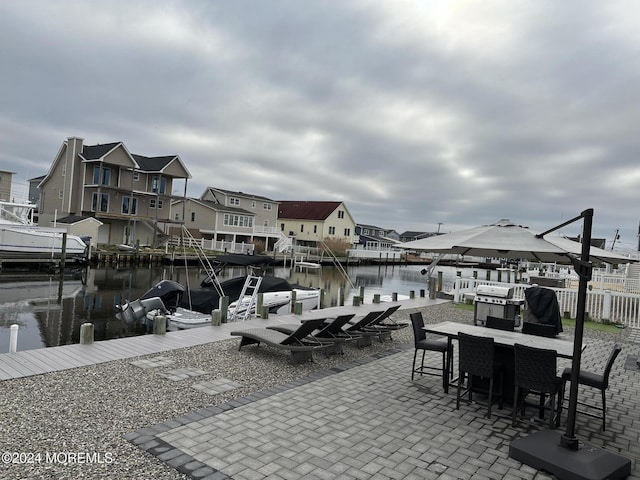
[(53, 359)]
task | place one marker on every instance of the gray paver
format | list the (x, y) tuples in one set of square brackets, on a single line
[(369, 421)]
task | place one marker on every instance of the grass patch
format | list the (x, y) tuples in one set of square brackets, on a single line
[(566, 322)]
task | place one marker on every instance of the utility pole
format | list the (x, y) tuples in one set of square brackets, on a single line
[(440, 223)]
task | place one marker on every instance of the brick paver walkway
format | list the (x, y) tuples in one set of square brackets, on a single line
[(370, 421)]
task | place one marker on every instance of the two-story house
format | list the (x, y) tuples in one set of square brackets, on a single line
[(129, 194), (372, 237), (5, 185), (312, 222), (230, 216)]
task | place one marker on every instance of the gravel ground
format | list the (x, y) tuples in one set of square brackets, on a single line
[(49, 418)]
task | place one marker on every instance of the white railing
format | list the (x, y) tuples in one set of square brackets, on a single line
[(601, 305), (382, 255), (261, 229), (212, 245)]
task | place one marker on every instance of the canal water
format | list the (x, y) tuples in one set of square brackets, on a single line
[(49, 312)]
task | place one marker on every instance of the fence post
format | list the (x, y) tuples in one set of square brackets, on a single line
[(606, 306)]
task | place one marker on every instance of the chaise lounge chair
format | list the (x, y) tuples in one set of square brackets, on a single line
[(330, 332), (300, 342)]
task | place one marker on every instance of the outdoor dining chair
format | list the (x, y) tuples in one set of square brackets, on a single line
[(476, 358), (421, 342), (599, 381), (536, 372), (500, 323)]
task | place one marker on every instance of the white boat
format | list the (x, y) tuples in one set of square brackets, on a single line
[(20, 237)]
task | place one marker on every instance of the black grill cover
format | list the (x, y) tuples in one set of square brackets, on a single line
[(542, 303)]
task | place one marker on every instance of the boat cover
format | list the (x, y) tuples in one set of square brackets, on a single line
[(205, 300)]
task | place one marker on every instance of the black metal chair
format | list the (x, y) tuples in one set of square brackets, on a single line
[(594, 380), (476, 358), (539, 329), (421, 342), (536, 372), (500, 323)]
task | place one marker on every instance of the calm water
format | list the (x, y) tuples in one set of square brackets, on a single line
[(50, 313)]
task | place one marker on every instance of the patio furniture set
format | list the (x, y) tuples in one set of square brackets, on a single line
[(505, 366)]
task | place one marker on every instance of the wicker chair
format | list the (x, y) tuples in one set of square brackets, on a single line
[(594, 380), (536, 372), (421, 342), (476, 357), (500, 323)]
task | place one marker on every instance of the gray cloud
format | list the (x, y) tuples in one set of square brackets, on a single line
[(413, 113)]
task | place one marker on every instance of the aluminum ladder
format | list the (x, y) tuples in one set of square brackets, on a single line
[(250, 288)]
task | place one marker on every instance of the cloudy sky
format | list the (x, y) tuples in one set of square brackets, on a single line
[(417, 114)]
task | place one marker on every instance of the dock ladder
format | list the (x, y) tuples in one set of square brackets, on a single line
[(250, 288)]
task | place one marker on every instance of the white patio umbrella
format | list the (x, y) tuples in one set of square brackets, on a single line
[(544, 450), (505, 239)]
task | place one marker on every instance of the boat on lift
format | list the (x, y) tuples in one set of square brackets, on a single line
[(21, 238)]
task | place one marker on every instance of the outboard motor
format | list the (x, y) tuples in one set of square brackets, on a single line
[(168, 291)]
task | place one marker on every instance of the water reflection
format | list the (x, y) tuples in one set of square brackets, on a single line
[(50, 312)]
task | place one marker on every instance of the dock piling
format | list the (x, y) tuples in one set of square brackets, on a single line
[(13, 338)]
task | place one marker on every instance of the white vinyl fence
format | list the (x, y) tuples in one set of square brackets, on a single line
[(601, 305)]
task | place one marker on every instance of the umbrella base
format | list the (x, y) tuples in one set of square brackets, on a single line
[(542, 450)]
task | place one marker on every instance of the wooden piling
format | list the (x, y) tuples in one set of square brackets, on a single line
[(86, 334), (159, 325)]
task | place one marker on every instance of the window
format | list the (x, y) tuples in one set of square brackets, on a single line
[(158, 184), (64, 170), (302, 227), (60, 194), (266, 206), (365, 231), (129, 205), (100, 202), (101, 176), (152, 203), (238, 220), (136, 176), (347, 232), (234, 201), (332, 230), (160, 204), (253, 204), (282, 227), (193, 216), (266, 223), (177, 217), (315, 229), (340, 213)]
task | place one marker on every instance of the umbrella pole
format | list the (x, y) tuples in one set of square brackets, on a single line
[(583, 269), (566, 458)]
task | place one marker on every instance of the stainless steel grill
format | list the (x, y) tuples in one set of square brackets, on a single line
[(496, 301)]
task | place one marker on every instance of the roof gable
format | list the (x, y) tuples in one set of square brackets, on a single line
[(164, 164), (239, 194), (307, 210), (95, 152)]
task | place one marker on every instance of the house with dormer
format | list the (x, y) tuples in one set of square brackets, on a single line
[(230, 216), (309, 223), (128, 194)]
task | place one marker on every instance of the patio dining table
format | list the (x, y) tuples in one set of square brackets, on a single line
[(504, 342)]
